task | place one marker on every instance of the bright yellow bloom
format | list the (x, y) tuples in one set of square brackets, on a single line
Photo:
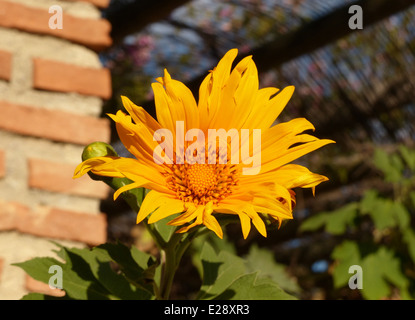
[(228, 99)]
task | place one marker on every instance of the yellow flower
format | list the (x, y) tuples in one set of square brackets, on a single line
[(228, 100)]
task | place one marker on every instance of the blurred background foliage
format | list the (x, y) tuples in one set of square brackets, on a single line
[(356, 86)]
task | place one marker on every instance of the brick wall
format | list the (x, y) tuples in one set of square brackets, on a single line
[(52, 88)]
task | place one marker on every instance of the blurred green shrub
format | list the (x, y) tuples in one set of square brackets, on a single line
[(377, 232)]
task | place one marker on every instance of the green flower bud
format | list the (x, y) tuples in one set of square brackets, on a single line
[(133, 197), (98, 149)]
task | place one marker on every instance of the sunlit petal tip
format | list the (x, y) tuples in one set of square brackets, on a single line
[(125, 100), (127, 187), (127, 103), (218, 232), (167, 76), (187, 228), (140, 218), (78, 171), (245, 223), (112, 116), (211, 223), (118, 116), (288, 91), (258, 223), (231, 53)]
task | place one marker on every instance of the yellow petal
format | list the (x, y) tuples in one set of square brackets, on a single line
[(294, 176), (236, 206), (140, 115), (210, 91), (211, 223), (169, 207), (125, 167), (237, 96), (277, 210), (245, 224), (284, 132), (292, 154), (137, 138), (256, 220), (188, 216), (187, 228), (266, 112), (164, 116), (134, 185), (155, 200), (263, 187), (96, 162), (181, 102)]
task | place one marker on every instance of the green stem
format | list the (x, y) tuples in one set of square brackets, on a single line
[(171, 258), (170, 262)]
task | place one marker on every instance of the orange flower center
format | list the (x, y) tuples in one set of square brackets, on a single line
[(201, 178), (202, 183)]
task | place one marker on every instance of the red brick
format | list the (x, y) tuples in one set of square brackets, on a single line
[(54, 223), (98, 3), (57, 177), (53, 125), (5, 65), (64, 77), (68, 225), (10, 212), (2, 164), (93, 33), (33, 285), (1, 267)]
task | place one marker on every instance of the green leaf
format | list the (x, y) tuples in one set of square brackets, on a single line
[(252, 287), (87, 273), (137, 266), (374, 285), (165, 230), (380, 269), (263, 262), (38, 268), (382, 214), (219, 271), (78, 280), (412, 197), (368, 202), (340, 219), (133, 197), (379, 209), (409, 238), (391, 166), (217, 244), (335, 222), (408, 155), (314, 223), (385, 213), (401, 215), (115, 283)]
